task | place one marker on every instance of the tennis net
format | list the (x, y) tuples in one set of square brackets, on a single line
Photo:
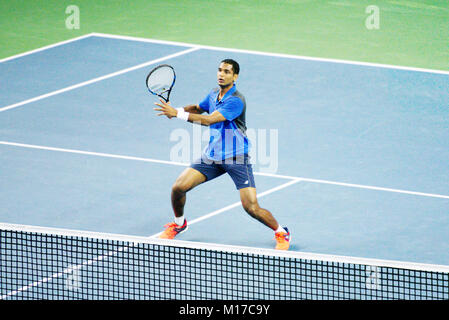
[(46, 263)]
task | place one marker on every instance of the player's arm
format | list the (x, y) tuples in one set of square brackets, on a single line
[(195, 115), (194, 108), (206, 119), (170, 112), (183, 113)]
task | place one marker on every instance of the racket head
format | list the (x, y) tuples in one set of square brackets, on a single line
[(161, 80)]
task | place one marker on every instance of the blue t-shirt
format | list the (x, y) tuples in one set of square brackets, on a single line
[(228, 138)]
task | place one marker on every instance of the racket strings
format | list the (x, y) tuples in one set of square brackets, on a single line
[(161, 80)]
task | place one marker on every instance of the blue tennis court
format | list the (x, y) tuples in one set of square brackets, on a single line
[(361, 163)]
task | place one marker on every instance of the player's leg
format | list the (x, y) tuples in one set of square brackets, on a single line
[(241, 173), (187, 180), (248, 196)]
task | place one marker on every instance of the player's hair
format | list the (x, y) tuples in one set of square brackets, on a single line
[(233, 63)]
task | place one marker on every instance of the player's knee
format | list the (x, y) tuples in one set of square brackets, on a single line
[(250, 207), (178, 188)]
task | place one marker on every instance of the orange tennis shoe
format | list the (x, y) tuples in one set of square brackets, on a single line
[(172, 230), (282, 239)]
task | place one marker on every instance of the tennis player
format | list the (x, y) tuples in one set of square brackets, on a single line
[(227, 152)]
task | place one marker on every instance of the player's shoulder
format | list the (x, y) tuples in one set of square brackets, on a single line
[(238, 95)]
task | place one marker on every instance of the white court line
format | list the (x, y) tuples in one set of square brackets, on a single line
[(69, 269), (343, 184), (110, 75), (98, 154), (194, 47), (263, 53), (255, 52), (45, 48)]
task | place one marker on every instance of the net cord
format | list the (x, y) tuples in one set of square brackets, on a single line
[(228, 248)]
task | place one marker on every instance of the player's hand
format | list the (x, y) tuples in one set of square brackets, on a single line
[(166, 109)]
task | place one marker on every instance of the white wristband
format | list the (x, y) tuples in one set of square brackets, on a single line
[(182, 114)]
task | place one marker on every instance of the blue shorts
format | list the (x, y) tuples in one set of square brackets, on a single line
[(240, 170)]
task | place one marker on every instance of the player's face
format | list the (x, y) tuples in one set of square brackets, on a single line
[(226, 75)]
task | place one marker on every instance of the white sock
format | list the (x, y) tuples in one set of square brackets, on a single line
[(179, 221), (280, 229)]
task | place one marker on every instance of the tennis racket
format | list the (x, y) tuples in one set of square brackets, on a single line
[(161, 80)]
